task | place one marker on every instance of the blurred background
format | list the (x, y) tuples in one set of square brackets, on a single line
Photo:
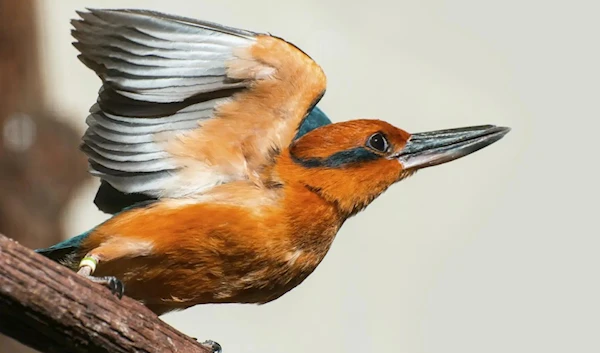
[(496, 252)]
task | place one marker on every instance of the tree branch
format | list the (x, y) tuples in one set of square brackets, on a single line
[(50, 308)]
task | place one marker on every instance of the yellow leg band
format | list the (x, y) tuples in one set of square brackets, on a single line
[(89, 262)]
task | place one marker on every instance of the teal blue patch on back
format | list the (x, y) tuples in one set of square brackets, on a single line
[(315, 119)]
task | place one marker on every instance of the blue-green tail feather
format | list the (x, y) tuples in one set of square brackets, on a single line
[(62, 251)]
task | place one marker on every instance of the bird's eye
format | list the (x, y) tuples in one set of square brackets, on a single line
[(378, 142)]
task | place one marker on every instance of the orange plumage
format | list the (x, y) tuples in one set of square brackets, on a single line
[(201, 119)]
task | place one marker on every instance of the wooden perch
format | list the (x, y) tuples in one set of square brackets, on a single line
[(50, 308)]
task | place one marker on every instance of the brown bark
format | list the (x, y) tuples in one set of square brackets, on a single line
[(52, 309)]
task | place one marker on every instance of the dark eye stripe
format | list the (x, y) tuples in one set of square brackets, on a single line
[(339, 159)]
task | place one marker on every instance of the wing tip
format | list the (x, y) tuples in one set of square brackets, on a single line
[(97, 12)]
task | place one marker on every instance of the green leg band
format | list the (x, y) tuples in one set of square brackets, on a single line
[(90, 262)]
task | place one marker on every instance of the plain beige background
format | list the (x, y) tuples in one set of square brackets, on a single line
[(496, 252)]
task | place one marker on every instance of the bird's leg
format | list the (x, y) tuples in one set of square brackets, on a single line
[(87, 266)]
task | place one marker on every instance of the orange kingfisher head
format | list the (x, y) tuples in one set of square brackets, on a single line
[(351, 163)]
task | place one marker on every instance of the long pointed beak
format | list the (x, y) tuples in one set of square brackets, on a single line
[(427, 149)]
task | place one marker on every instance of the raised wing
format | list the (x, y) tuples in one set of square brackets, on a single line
[(186, 105)]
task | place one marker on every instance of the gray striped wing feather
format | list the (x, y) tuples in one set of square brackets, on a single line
[(162, 75)]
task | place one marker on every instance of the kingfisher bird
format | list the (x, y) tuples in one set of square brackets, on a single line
[(226, 183)]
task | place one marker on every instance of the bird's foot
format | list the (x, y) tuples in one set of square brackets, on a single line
[(113, 283), (87, 266), (212, 346)]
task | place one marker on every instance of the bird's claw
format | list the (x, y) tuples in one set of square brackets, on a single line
[(213, 346), (115, 285)]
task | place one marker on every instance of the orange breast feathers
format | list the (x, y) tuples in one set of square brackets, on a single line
[(175, 254)]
